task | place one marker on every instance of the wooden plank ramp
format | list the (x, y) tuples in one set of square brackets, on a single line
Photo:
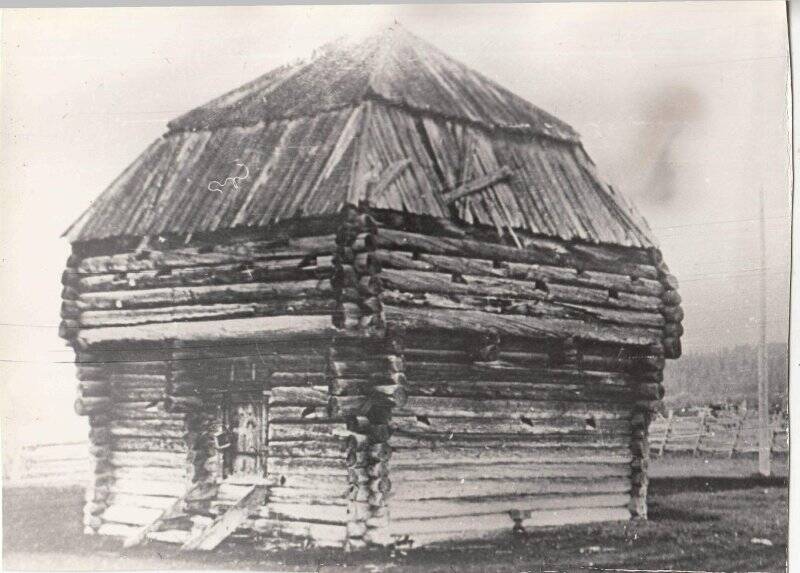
[(144, 532), (210, 537)]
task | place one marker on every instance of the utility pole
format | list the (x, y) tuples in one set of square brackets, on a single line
[(764, 435)]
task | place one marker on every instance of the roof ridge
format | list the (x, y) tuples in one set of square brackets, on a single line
[(394, 64)]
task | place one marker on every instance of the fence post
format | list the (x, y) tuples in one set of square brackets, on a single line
[(701, 431), (742, 414), (666, 434)]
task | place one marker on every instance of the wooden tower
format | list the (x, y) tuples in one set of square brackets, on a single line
[(373, 298)]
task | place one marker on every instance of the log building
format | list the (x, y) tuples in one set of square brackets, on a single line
[(372, 298)]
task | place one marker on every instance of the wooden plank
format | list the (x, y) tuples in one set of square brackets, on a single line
[(152, 525), (477, 184), (386, 178), (210, 537)]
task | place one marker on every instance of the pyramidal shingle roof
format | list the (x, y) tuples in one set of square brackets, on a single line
[(394, 66), (303, 139)]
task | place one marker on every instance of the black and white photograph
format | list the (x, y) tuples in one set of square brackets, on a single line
[(403, 288)]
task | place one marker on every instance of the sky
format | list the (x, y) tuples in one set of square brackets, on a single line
[(683, 107)]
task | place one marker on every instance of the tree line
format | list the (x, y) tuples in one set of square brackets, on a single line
[(727, 376)]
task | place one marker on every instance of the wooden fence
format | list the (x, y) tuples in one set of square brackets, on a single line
[(721, 433), (704, 432), (64, 463)]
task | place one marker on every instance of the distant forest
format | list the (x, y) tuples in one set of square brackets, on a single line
[(728, 375)]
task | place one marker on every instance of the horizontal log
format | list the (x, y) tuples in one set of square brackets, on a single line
[(509, 306), (334, 485), (265, 329), (536, 251), (426, 456), (478, 506), (435, 407), (245, 252), (322, 535), (504, 288), (299, 396), (444, 489), (176, 404), (437, 525), (418, 371), (255, 271), (185, 313), (365, 368), (130, 431), (350, 386), (306, 496), (530, 272), (149, 444), (285, 431), (130, 515), (531, 471), (322, 466), (574, 516), (318, 513), (157, 473), (124, 396), (521, 391), (507, 426), (161, 424), (178, 296), (126, 375), (298, 378), (514, 325), (294, 413), (149, 487), (553, 441), (335, 449), (149, 459)]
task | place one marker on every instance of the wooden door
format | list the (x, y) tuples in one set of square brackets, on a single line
[(241, 434)]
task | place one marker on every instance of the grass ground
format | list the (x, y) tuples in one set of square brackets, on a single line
[(703, 516)]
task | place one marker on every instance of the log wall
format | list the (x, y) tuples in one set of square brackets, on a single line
[(139, 450), (418, 385), (486, 446)]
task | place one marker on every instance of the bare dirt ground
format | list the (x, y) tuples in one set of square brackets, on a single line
[(703, 516)]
